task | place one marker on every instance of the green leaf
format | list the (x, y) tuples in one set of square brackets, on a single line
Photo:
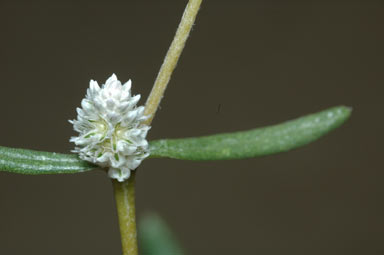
[(38, 162), (238, 145), (253, 143), (155, 238)]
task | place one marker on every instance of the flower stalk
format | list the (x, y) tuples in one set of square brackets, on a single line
[(125, 191)]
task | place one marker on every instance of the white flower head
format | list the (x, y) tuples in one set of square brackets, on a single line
[(110, 130)]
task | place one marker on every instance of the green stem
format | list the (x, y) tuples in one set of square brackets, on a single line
[(125, 203), (125, 191)]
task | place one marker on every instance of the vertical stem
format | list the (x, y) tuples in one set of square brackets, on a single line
[(125, 191), (125, 203)]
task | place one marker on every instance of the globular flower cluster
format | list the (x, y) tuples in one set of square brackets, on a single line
[(111, 133)]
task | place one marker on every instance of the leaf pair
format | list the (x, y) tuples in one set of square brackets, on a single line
[(239, 145)]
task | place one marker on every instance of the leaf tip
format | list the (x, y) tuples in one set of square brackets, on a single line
[(344, 112)]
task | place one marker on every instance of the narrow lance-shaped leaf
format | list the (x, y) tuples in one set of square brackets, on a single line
[(255, 142), (245, 144), (39, 162)]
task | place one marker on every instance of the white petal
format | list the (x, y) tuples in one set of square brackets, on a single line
[(135, 99), (110, 104), (111, 79), (119, 174), (127, 85), (134, 163)]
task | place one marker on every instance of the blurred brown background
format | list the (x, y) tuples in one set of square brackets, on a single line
[(260, 62)]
